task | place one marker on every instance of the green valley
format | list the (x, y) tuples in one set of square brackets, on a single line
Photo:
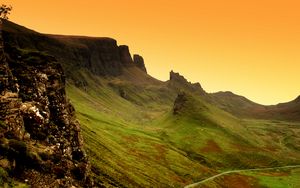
[(142, 132)]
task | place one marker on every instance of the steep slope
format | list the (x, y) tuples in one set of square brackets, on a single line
[(223, 137), (133, 154), (100, 56), (235, 104), (188, 142), (40, 140)]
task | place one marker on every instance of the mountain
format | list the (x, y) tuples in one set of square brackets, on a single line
[(242, 107), (142, 132), (101, 56)]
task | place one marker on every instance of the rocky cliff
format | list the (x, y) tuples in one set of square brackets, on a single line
[(178, 82), (139, 61), (99, 55), (40, 140)]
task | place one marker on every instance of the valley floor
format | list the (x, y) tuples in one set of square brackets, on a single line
[(250, 172)]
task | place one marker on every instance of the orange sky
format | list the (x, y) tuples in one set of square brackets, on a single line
[(249, 47)]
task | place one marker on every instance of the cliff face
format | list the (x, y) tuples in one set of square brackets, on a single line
[(178, 82), (99, 55), (139, 61), (40, 140)]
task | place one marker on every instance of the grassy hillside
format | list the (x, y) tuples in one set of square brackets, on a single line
[(138, 141), (140, 133), (280, 178), (130, 153), (244, 108)]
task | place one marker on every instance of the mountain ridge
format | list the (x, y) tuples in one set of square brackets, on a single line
[(103, 57), (136, 127)]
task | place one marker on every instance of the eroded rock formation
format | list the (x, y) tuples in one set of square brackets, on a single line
[(101, 56), (180, 103), (139, 61), (178, 82)]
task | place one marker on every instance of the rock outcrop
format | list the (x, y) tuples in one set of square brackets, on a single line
[(125, 56), (180, 103), (178, 82), (40, 140), (187, 104), (176, 77), (100, 56), (139, 61)]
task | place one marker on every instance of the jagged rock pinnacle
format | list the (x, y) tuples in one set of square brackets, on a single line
[(139, 61)]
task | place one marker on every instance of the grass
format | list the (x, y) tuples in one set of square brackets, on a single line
[(278, 179), (138, 142), (134, 156)]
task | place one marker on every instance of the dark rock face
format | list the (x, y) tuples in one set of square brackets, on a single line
[(39, 138), (99, 55), (125, 56), (176, 77), (179, 103), (139, 61), (179, 82)]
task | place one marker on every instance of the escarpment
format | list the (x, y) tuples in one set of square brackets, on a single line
[(40, 140), (101, 56)]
